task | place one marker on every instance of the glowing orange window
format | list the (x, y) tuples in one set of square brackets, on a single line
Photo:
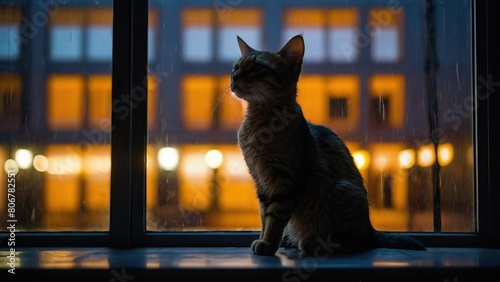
[(99, 102), (65, 102), (387, 101), (198, 99)]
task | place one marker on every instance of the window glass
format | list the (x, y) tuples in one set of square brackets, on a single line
[(10, 102), (310, 23), (245, 23), (197, 35), (343, 35), (364, 77), (10, 32), (386, 28), (66, 35), (358, 78), (55, 114)]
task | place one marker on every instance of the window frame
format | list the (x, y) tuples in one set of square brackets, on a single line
[(128, 156)]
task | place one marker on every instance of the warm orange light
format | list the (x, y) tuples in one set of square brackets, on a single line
[(214, 158), (99, 102), (393, 88), (406, 158), (168, 158), (65, 102), (361, 158), (445, 154), (24, 158), (198, 101), (40, 163), (425, 156)]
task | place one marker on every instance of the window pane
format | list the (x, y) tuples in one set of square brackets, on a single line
[(99, 34), (10, 33), (386, 34), (55, 116), (10, 102), (310, 23), (363, 76), (241, 22), (100, 43), (343, 35), (197, 41)]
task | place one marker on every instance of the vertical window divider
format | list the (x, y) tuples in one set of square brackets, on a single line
[(139, 114), (129, 120)]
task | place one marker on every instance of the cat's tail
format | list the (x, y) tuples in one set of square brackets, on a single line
[(393, 241)]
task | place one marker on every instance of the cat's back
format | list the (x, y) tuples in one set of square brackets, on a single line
[(333, 154)]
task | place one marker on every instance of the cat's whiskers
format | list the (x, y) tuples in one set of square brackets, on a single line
[(220, 98)]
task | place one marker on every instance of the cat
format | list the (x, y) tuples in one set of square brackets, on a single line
[(310, 192)]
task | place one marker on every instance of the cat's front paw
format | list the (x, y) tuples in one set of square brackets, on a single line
[(263, 248)]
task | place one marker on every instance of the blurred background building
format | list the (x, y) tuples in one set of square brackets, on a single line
[(364, 76)]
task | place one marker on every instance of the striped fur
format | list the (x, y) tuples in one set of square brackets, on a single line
[(309, 189)]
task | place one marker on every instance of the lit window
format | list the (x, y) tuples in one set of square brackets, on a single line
[(66, 35), (388, 187), (208, 104), (245, 23), (387, 100), (65, 105), (198, 100), (386, 34), (99, 102), (10, 102), (197, 35), (229, 108), (311, 96), (96, 175), (310, 23), (152, 30), (10, 33), (100, 35), (343, 35), (218, 198), (343, 94)]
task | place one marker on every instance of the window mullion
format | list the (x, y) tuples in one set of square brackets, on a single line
[(139, 102), (129, 111)]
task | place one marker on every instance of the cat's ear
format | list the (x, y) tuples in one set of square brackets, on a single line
[(293, 50), (244, 48)]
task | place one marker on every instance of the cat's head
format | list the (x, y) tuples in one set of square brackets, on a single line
[(268, 77)]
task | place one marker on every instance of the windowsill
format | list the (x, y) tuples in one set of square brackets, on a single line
[(239, 264)]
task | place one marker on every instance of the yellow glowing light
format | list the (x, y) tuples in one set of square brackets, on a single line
[(70, 164), (40, 163), (426, 156), (10, 166), (445, 154), (168, 158), (381, 162), (97, 164), (24, 158), (361, 158), (406, 158), (214, 159)]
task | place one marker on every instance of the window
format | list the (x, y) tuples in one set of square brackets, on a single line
[(386, 27), (10, 102), (94, 157), (338, 108), (10, 30), (205, 30)]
